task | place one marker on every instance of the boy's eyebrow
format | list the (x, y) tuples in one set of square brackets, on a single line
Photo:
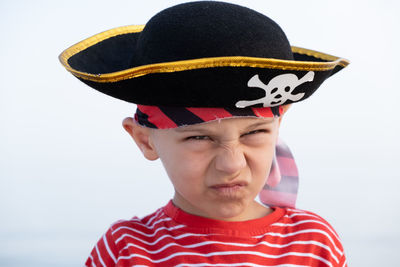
[(191, 129), (194, 129), (261, 123)]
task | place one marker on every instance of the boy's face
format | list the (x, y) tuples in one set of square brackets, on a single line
[(217, 168)]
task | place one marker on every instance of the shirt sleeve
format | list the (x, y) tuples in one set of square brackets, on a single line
[(105, 253), (343, 261)]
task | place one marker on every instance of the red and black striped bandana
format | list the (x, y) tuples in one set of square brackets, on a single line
[(283, 180), (173, 117)]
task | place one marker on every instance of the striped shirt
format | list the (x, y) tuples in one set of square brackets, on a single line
[(172, 237)]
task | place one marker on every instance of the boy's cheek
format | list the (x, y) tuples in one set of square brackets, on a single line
[(183, 169)]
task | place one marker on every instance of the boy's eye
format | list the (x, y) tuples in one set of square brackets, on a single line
[(256, 132), (198, 137)]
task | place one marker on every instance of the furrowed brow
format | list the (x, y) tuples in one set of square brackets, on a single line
[(185, 129), (261, 123)]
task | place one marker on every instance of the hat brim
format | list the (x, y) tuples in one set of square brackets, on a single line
[(104, 62)]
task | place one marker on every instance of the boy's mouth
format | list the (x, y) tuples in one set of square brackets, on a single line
[(229, 190)]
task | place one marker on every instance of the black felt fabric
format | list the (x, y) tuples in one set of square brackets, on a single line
[(210, 29), (188, 31), (192, 31), (210, 87), (111, 55)]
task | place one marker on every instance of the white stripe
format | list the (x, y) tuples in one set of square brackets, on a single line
[(297, 223), (117, 222), (136, 221), (307, 221), (100, 259), (295, 210), (160, 238), (140, 220), (155, 216), (108, 249), (306, 231), (224, 253), (234, 244), (295, 214), (157, 222), (148, 235), (241, 264), (311, 215), (93, 264), (140, 223)]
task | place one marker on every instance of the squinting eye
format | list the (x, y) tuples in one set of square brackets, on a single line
[(198, 137), (256, 132)]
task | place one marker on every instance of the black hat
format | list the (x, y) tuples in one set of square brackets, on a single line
[(201, 54)]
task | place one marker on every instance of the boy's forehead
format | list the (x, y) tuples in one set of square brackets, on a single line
[(233, 122)]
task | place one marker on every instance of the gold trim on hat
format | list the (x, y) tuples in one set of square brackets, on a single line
[(192, 64)]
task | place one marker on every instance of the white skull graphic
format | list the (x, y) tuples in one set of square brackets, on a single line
[(278, 90)]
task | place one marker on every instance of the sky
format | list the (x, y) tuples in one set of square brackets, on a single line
[(68, 170)]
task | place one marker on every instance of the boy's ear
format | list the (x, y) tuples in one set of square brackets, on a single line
[(142, 138)]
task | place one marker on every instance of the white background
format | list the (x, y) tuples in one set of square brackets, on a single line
[(68, 170)]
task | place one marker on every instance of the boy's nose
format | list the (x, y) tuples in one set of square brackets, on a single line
[(230, 159)]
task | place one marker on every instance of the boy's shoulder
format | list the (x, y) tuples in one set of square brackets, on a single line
[(147, 223), (307, 225), (299, 215), (298, 219)]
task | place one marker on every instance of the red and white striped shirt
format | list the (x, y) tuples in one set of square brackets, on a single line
[(172, 237)]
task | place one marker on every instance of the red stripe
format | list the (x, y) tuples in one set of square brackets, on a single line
[(210, 114), (95, 256), (263, 112), (281, 110), (89, 261), (105, 256), (157, 117)]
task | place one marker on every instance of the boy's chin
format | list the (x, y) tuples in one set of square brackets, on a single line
[(224, 209), (238, 211)]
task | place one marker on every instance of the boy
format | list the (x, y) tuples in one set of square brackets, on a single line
[(212, 81)]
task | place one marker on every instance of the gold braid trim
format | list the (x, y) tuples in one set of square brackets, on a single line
[(192, 64)]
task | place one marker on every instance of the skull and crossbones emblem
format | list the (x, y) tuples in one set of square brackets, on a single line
[(277, 91)]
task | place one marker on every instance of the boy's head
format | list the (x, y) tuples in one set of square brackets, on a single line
[(218, 167), (211, 81)]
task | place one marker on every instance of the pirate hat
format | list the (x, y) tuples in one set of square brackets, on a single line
[(201, 54)]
